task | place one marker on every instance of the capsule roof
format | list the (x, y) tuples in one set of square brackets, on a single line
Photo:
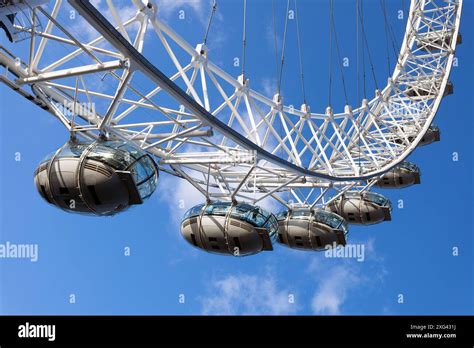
[(373, 197), (252, 214), (118, 155), (410, 166), (328, 218)]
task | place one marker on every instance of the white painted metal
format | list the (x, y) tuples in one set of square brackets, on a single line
[(67, 66)]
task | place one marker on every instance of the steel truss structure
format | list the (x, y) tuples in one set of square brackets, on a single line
[(203, 125)]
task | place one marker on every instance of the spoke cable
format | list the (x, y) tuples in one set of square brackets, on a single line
[(275, 41), (387, 35), (358, 74), (282, 61), (244, 40), (390, 31), (298, 37), (277, 67), (213, 11), (330, 55), (333, 25), (364, 36)]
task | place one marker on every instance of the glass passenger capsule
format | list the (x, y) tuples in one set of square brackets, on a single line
[(364, 208), (309, 229), (437, 40), (427, 90), (231, 229), (96, 178), (432, 135), (404, 175)]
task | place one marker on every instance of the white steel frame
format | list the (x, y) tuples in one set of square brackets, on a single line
[(316, 152)]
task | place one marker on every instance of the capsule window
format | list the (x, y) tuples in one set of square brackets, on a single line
[(300, 244), (43, 191), (318, 241), (63, 190), (193, 238), (237, 242), (298, 237), (93, 193), (213, 241), (367, 216), (400, 180), (340, 238), (350, 217)]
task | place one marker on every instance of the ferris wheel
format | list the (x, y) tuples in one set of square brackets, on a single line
[(137, 99)]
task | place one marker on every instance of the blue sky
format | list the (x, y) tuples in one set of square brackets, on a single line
[(411, 255)]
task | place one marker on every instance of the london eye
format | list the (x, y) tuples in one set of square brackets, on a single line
[(131, 113)]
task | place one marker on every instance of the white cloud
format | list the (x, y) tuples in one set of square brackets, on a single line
[(168, 7), (179, 196), (96, 3), (333, 290), (247, 295), (270, 37), (201, 9), (336, 283), (125, 11), (269, 86)]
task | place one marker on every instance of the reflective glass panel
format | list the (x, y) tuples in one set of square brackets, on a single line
[(410, 166), (377, 199), (301, 214), (218, 208), (282, 215)]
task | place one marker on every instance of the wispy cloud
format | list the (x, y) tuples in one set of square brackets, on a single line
[(200, 9), (179, 196), (337, 283), (166, 8), (271, 38), (246, 294), (125, 10), (334, 288), (269, 87)]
